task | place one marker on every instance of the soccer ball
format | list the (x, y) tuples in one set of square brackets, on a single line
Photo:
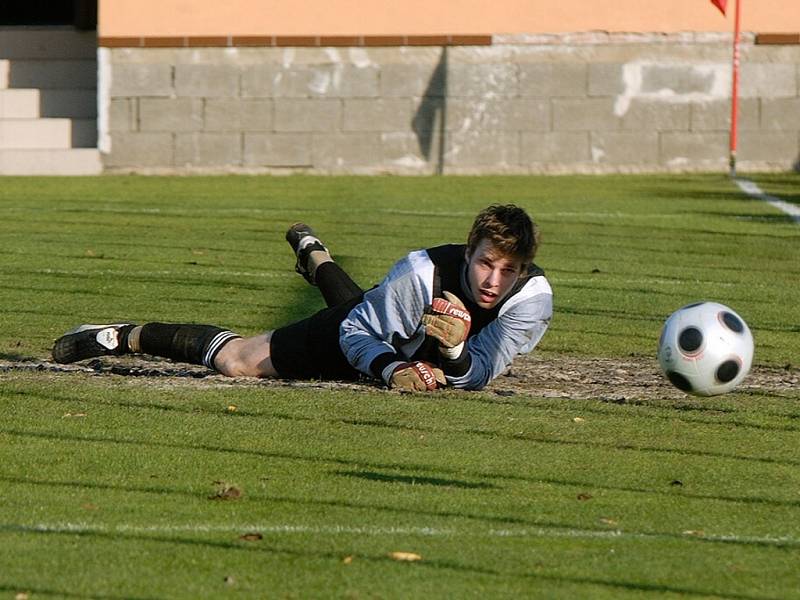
[(705, 349)]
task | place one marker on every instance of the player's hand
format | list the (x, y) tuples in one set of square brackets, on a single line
[(417, 376), (448, 321)]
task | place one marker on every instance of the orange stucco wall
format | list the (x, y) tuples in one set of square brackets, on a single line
[(421, 17)]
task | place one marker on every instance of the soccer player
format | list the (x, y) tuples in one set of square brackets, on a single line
[(453, 315)]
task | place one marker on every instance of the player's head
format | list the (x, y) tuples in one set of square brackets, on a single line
[(500, 246), (509, 229)]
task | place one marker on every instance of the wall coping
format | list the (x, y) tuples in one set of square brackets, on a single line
[(319, 41)]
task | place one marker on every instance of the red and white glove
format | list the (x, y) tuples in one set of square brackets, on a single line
[(416, 376), (449, 322)]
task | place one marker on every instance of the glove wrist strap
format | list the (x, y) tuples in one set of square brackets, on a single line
[(459, 365), (451, 353), (386, 374)]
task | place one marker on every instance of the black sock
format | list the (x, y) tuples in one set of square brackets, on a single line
[(122, 336), (196, 344), (335, 285)]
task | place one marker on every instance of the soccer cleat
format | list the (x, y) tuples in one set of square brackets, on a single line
[(88, 341), (304, 241)]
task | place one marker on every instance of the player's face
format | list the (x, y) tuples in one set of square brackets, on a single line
[(491, 274)]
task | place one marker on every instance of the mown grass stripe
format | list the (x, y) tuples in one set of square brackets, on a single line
[(273, 529)]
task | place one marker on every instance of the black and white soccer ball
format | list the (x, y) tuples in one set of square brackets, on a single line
[(705, 349)]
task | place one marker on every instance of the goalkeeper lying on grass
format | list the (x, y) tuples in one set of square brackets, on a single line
[(451, 315)]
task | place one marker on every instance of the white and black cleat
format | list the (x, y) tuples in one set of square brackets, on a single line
[(89, 341), (304, 241)]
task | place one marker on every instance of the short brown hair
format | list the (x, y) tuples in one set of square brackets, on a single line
[(509, 229)]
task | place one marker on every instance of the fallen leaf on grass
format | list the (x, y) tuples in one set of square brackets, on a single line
[(347, 560), (606, 521), (229, 580), (578, 420), (21, 596), (694, 532), (226, 492), (252, 537), (231, 408), (584, 496), (405, 556), (676, 482), (73, 415)]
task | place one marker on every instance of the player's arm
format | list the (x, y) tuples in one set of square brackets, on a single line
[(386, 322)]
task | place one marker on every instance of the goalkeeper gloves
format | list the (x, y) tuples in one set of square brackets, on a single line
[(448, 321), (416, 376)]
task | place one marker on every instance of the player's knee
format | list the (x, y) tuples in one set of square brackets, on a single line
[(244, 358), (231, 360)]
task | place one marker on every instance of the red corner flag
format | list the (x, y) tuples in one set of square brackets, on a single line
[(720, 4)]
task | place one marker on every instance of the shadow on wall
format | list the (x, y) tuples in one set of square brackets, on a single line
[(424, 124), (82, 14)]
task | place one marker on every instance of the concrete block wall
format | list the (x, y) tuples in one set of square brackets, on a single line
[(520, 105)]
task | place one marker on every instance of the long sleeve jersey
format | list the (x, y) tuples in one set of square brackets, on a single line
[(386, 326)]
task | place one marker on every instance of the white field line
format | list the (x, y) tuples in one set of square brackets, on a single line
[(290, 274), (166, 273), (653, 281), (289, 529), (752, 190)]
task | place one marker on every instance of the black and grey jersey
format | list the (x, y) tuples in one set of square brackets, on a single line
[(386, 326)]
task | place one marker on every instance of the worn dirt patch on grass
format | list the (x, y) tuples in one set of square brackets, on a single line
[(551, 377)]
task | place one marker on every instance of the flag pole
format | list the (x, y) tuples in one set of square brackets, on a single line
[(735, 92)]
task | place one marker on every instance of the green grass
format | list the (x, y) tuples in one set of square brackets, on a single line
[(110, 483)]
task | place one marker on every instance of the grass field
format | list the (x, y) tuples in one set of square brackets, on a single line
[(197, 487)]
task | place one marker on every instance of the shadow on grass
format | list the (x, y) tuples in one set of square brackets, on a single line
[(544, 527), (308, 300), (491, 434), (654, 233), (759, 217), (375, 468), (416, 480), (672, 408), (630, 315), (377, 559), (789, 180)]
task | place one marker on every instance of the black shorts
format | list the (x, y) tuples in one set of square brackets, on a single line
[(309, 349)]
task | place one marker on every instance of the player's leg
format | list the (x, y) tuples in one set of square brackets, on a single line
[(316, 265), (335, 284), (196, 344), (246, 357)]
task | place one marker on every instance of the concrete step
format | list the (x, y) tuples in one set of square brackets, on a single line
[(19, 134), (51, 134), (49, 74), (19, 104), (77, 161), (23, 103), (47, 42)]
